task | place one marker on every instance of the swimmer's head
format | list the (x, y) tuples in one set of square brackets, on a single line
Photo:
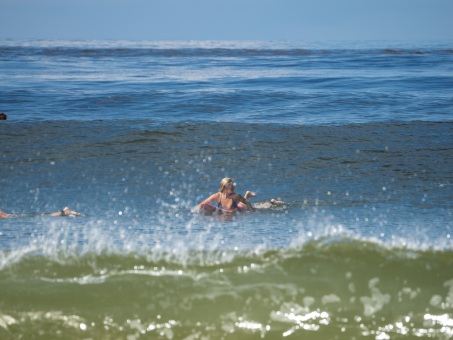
[(226, 183)]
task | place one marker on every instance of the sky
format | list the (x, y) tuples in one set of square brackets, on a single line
[(269, 20)]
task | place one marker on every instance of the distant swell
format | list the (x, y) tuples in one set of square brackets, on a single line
[(202, 52)]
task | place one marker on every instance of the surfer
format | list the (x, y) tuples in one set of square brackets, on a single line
[(228, 201), (63, 212)]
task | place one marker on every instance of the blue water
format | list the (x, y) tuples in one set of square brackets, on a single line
[(219, 81), (356, 133), (356, 138)]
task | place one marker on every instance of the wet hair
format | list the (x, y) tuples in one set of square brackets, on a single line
[(3, 116), (225, 183)]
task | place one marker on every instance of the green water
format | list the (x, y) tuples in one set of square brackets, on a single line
[(325, 289)]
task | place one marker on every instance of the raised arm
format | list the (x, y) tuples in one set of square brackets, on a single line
[(239, 198)]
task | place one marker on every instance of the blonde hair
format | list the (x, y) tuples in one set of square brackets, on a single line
[(225, 183)]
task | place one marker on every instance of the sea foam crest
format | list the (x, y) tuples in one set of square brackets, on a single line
[(201, 241)]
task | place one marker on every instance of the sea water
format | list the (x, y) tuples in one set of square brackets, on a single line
[(355, 138)]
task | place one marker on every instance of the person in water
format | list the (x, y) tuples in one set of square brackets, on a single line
[(229, 201), (64, 212)]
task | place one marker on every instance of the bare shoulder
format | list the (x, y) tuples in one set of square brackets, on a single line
[(212, 198), (216, 196)]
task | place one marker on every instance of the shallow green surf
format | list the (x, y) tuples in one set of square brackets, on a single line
[(327, 288)]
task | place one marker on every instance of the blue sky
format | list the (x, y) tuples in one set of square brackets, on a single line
[(298, 20)]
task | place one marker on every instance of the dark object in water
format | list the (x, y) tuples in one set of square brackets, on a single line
[(3, 116)]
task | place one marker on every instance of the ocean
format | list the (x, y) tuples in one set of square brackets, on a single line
[(356, 138)]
